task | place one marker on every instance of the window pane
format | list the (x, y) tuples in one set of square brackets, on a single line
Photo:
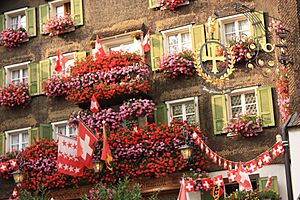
[(61, 130), (236, 100), (14, 139), (229, 28), (14, 147), (185, 38), (173, 43), (177, 109), (251, 109), (24, 137), (23, 21), (15, 22), (25, 73), (236, 110), (191, 119), (15, 74), (243, 25), (73, 131), (250, 98), (60, 11), (190, 108)]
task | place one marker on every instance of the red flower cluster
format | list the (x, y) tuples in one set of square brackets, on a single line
[(15, 95), (242, 49), (179, 65), (172, 4), (8, 164), (13, 38)]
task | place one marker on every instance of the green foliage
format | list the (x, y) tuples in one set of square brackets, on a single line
[(253, 195)]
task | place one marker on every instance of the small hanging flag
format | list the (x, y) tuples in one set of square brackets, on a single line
[(60, 62), (269, 183), (146, 42), (207, 183), (95, 107), (218, 180)]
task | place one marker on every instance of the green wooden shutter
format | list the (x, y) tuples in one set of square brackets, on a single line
[(160, 114), (265, 106), (31, 21), (33, 134), (33, 78), (79, 55), (46, 131), (44, 73), (154, 4), (2, 23), (262, 184), (43, 16), (2, 77), (219, 112), (77, 12), (2, 143), (258, 29), (156, 50), (198, 39)]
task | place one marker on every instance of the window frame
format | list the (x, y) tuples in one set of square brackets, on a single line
[(122, 39), (20, 131), (14, 67), (63, 72), (15, 13), (232, 19), (169, 104), (242, 92), (176, 31), (62, 123), (54, 4)]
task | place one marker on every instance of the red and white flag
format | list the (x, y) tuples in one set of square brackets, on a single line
[(99, 50), (189, 186), (277, 149), (231, 174), (266, 158), (182, 192), (13, 163), (95, 107), (3, 167), (85, 143), (251, 166), (146, 42), (207, 183), (106, 153), (269, 183), (243, 179), (260, 162), (67, 162), (60, 62), (218, 180)]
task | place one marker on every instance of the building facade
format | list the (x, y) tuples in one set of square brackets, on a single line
[(122, 25)]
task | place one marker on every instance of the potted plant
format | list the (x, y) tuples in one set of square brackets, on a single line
[(245, 125), (13, 38), (268, 195), (58, 25)]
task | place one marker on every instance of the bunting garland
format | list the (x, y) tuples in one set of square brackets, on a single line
[(250, 166)]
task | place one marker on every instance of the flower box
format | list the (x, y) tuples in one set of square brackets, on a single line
[(172, 4), (15, 95), (60, 25), (13, 38)]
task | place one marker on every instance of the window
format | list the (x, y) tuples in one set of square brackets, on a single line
[(139, 122), (177, 40), (130, 42), (63, 129), (60, 8), (66, 67), (16, 19), (234, 26), (17, 73), (183, 110), (243, 102), (17, 139)]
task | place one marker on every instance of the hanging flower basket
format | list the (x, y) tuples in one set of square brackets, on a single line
[(56, 26), (15, 95), (13, 38), (245, 125), (172, 4), (178, 65)]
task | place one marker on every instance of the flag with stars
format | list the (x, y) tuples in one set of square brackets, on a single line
[(67, 162)]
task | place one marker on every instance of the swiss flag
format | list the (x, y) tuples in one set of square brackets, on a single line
[(277, 149), (251, 166), (94, 104), (231, 174), (3, 167), (260, 162), (60, 62), (243, 179), (218, 180), (189, 186), (106, 153), (146, 42), (13, 163), (85, 143), (266, 158), (207, 183), (67, 162), (269, 183), (99, 50)]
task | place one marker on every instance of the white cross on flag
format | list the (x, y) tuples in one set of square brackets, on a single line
[(94, 104), (277, 149), (251, 166), (231, 175), (85, 143), (189, 186), (243, 179), (260, 162), (218, 180), (206, 183), (67, 163), (3, 167), (266, 158)]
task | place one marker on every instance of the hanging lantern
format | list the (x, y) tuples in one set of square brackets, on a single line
[(18, 176), (186, 151), (97, 165)]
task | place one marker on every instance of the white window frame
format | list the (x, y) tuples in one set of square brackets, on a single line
[(13, 67), (61, 123), (122, 39), (182, 101), (56, 3), (176, 31), (14, 13), (242, 92), (13, 132), (63, 72), (235, 18)]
